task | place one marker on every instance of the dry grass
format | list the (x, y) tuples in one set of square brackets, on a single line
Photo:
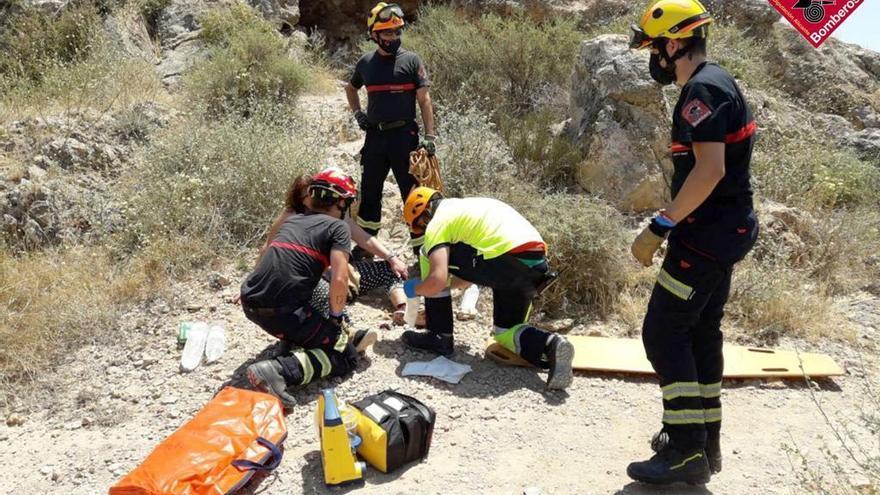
[(97, 75), (67, 298), (775, 301)]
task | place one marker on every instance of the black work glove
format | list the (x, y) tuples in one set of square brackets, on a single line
[(362, 120), (429, 144)]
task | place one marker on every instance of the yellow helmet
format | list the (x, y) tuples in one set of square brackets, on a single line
[(417, 202), (674, 19), (385, 16)]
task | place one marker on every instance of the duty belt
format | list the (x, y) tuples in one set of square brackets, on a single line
[(394, 124)]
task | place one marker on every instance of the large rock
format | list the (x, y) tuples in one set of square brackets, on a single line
[(619, 120), (177, 28), (755, 16), (838, 78), (344, 19), (866, 143), (284, 14)]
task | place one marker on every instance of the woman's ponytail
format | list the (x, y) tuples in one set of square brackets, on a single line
[(297, 193)]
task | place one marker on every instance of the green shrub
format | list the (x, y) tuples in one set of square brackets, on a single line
[(248, 65), (747, 58), (219, 181), (34, 41), (588, 245), (508, 64), (808, 173), (474, 159), (220, 27), (541, 156)]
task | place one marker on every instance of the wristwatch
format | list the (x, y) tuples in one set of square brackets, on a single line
[(391, 254)]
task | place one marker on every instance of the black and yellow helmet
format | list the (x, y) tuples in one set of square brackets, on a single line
[(385, 16), (673, 19)]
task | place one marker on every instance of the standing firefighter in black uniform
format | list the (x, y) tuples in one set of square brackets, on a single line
[(710, 225), (395, 80)]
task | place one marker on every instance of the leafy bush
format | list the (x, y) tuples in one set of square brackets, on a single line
[(541, 155), (248, 65), (588, 245), (34, 41), (747, 58), (473, 158), (219, 181), (507, 64), (804, 172)]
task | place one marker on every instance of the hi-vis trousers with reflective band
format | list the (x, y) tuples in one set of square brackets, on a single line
[(319, 347), (512, 278), (683, 341), (384, 151)]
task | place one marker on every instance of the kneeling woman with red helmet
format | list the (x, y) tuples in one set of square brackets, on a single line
[(309, 237)]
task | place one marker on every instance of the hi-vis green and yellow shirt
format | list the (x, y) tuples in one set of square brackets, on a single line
[(487, 225)]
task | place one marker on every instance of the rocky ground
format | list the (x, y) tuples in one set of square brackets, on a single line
[(107, 405)]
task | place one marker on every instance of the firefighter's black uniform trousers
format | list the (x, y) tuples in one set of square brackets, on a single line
[(384, 151)]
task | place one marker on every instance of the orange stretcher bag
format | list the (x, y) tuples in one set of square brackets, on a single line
[(236, 434)]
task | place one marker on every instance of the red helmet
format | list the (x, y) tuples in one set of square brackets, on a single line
[(336, 181)]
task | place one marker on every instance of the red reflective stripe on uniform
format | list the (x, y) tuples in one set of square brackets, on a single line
[(742, 134), (529, 246), (677, 147), (302, 249), (391, 87)]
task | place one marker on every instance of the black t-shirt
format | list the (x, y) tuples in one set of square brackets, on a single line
[(711, 108), (391, 84), (294, 261)]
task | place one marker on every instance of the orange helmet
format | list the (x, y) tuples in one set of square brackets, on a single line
[(385, 16), (417, 202)]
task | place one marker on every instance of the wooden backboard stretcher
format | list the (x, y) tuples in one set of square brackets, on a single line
[(628, 356)]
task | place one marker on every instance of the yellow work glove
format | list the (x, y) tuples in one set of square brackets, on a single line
[(646, 244), (651, 237)]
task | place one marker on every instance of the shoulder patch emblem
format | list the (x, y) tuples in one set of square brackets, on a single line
[(695, 112)]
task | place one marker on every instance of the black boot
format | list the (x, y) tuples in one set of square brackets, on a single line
[(560, 353), (670, 465), (429, 341), (713, 451), (266, 376)]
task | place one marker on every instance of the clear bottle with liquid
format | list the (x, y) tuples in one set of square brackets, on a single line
[(215, 345), (194, 349)]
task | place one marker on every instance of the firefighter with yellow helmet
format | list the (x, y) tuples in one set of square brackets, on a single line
[(486, 242), (709, 226), (395, 80)]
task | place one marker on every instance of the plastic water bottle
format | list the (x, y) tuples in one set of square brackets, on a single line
[(412, 311), (191, 357), (215, 346), (469, 299)]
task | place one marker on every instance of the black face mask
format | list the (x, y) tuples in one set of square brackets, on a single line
[(389, 46), (660, 74)]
